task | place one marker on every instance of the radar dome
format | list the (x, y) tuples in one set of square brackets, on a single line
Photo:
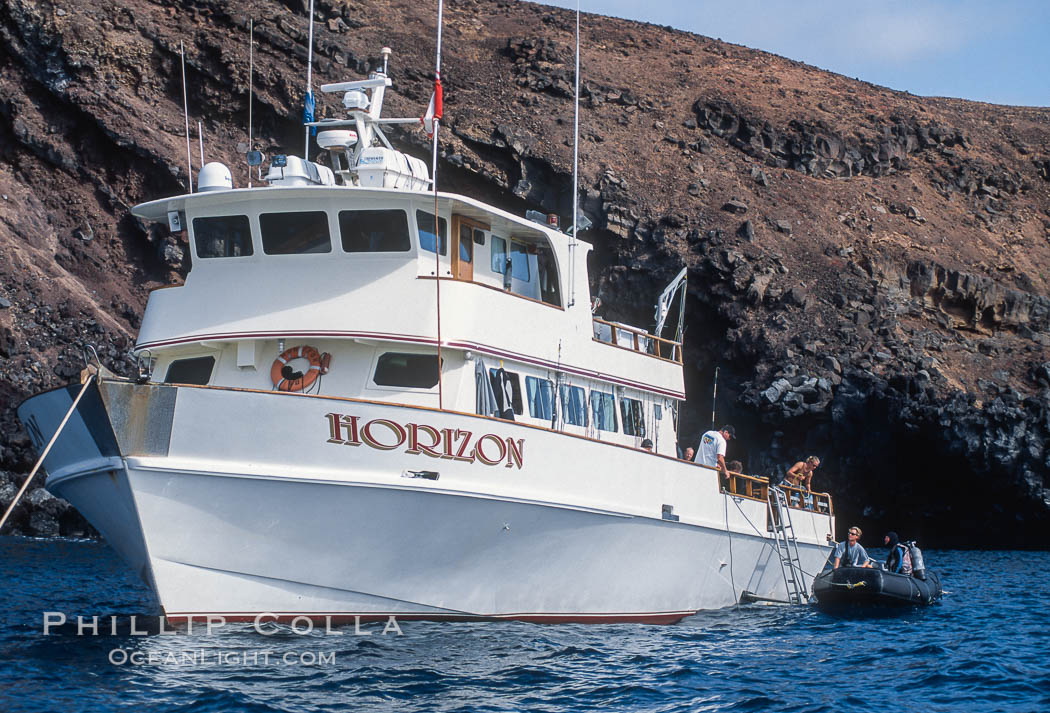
[(214, 177)]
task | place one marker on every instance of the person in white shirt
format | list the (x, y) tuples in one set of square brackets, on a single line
[(712, 450)]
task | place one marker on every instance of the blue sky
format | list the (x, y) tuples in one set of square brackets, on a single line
[(994, 51)]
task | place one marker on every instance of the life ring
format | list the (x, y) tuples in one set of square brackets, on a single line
[(284, 378)]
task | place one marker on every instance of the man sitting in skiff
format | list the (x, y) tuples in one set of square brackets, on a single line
[(850, 553)]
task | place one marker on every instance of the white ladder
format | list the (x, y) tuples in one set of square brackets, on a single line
[(786, 545)]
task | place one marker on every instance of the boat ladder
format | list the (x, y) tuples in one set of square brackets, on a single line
[(786, 545)]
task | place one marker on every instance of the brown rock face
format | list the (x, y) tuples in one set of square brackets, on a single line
[(869, 270)]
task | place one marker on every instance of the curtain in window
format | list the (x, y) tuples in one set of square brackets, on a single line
[(541, 398), (574, 405), (603, 409)]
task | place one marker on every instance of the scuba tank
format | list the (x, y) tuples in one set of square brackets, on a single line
[(918, 567)]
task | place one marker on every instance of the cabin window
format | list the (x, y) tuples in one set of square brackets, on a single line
[(499, 255), (374, 231), (658, 412), (466, 243), (295, 233), (541, 398), (222, 236), (603, 410), (574, 405), (518, 260), (507, 387), (190, 371), (632, 415), (410, 371), (548, 276), (425, 224)]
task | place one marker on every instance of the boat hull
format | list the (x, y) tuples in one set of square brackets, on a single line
[(244, 504)]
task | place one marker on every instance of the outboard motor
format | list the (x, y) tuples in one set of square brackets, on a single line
[(918, 567)]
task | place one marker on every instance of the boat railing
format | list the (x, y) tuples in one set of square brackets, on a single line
[(638, 340), (757, 488)]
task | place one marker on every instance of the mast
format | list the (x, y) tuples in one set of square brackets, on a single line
[(251, 91), (186, 118), (308, 102), (437, 220), (575, 167)]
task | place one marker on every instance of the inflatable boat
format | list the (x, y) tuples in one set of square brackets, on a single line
[(869, 585)]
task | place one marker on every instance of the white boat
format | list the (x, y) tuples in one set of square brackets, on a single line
[(335, 420)]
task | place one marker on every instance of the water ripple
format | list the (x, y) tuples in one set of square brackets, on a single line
[(982, 648)]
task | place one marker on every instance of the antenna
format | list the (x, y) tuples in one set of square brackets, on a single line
[(186, 117), (308, 104), (575, 167), (251, 90), (437, 220), (200, 140)]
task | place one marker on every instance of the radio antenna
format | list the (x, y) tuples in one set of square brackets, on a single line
[(575, 168), (186, 118), (308, 103), (251, 90), (438, 108), (200, 139)]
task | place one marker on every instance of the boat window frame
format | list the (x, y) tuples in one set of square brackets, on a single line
[(192, 237), (442, 226), (594, 419), (517, 397), (537, 383), (338, 216), (185, 361), (637, 420), (370, 382), (324, 211), (566, 410)]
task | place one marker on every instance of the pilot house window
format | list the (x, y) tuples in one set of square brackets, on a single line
[(427, 240), (374, 231), (222, 236), (295, 233)]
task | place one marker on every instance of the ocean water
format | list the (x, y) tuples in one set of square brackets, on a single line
[(983, 648)]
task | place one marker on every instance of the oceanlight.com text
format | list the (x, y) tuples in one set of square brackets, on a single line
[(220, 657)]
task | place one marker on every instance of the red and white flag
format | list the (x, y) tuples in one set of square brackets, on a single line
[(433, 110)]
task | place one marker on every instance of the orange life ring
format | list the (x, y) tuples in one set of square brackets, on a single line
[(285, 379)]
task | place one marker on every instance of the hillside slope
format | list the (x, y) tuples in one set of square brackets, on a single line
[(869, 270)]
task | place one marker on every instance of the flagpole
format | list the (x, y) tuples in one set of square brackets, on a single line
[(308, 103), (437, 220)]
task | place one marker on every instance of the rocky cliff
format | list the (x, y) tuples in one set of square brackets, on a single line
[(868, 269)]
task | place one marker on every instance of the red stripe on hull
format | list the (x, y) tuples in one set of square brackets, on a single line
[(342, 618)]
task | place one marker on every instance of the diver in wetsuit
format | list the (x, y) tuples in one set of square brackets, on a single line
[(899, 558)]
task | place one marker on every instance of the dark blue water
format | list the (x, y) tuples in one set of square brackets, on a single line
[(984, 648)]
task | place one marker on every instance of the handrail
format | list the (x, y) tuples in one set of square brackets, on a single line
[(757, 488), (664, 348)]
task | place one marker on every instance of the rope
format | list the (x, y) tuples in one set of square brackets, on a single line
[(40, 461), (732, 579)]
